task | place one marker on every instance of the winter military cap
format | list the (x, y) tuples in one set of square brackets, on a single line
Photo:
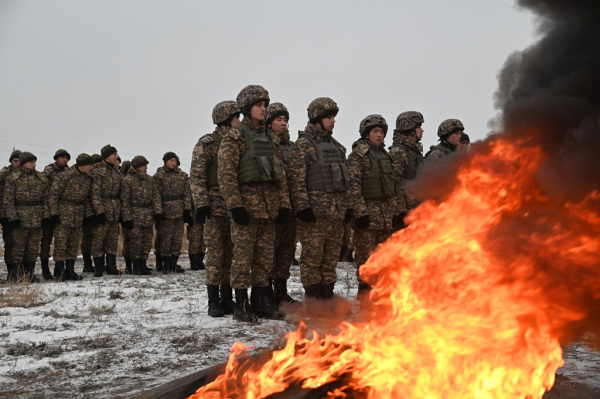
[(450, 126), (252, 94), (125, 166), (409, 120), (464, 137), (14, 154), (84, 159), (97, 158), (274, 111), (107, 151), (371, 122), (61, 153), (224, 110), (26, 157), (138, 161), (321, 107), (170, 155)]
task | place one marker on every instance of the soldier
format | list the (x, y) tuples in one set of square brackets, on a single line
[(69, 203), (26, 207), (464, 142), (196, 246), (86, 232), (6, 229), (211, 211), (125, 168), (277, 117), (372, 189), (252, 181), (107, 208), (319, 182), (176, 197), (449, 134), (407, 156), (60, 164), (140, 207)]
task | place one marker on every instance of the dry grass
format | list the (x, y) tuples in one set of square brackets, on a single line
[(22, 295)]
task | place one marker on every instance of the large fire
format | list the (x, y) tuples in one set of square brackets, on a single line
[(462, 305)]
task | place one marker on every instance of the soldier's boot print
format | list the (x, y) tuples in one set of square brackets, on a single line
[(46, 269), (312, 291), (166, 264), (260, 307), (227, 303), (242, 311), (128, 266), (201, 260), (281, 294), (70, 274), (145, 267), (194, 265), (88, 267), (159, 262), (214, 304), (13, 274), (138, 268), (174, 266), (59, 270), (30, 269), (99, 266), (327, 291), (111, 265)]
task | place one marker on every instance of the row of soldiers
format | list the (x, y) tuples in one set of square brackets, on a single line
[(254, 191)]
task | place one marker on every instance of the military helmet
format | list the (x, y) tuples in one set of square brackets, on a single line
[(252, 94), (62, 153), (275, 110), (139, 160), (409, 120), (321, 107), (370, 122), (450, 126), (224, 110)]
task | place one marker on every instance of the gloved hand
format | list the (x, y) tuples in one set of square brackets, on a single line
[(4, 222), (284, 215), (92, 220), (362, 222), (55, 219), (158, 217), (102, 218), (127, 225), (46, 222), (307, 215), (187, 218), (240, 216), (348, 216), (15, 223), (202, 214)]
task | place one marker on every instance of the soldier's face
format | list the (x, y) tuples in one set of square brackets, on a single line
[(328, 123), (257, 112), (112, 159), (235, 121), (171, 163), (142, 169), (30, 165), (15, 163), (279, 124), (62, 161), (454, 138), (419, 133), (86, 168), (376, 135)]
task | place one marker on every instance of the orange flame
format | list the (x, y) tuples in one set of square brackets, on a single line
[(462, 306)]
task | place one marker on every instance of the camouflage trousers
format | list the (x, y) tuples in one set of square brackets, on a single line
[(285, 248), (47, 233), (139, 241), (105, 239), (347, 241), (365, 242), (219, 247), (195, 235), (26, 244), (8, 243), (126, 243), (321, 245), (253, 253), (86, 239), (66, 243), (170, 234)]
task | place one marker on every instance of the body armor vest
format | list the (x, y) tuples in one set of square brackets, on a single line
[(445, 149), (285, 152), (330, 173), (415, 159), (380, 183), (260, 164), (213, 167)]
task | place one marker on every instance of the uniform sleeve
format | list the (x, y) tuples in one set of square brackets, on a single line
[(199, 175), (10, 190), (356, 168), (126, 200), (96, 192), (297, 175), (284, 196), (398, 165), (156, 200), (228, 161), (187, 195), (88, 209), (2, 185), (56, 189)]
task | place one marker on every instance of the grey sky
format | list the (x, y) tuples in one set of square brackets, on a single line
[(145, 75)]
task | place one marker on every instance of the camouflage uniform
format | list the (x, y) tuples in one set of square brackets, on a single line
[(87, 231), (196, 245), (6, 229), (125, 168), (444, 148)]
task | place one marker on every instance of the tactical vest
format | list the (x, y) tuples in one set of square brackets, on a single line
[(445, 149), (260, 164), (415, 159), (330, 173), (213, 167), (380, 183)]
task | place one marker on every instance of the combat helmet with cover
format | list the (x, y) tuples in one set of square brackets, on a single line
[(274, 111), (407, 121), (450, 126), (320, 108), (371, 122), (225, 110), (251, 95)]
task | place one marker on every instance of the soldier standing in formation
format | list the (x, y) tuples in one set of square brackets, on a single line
[(252, 181), (87, 231), (211, 211), (124, 169), (14, 164), (449, 133), (319, 182)]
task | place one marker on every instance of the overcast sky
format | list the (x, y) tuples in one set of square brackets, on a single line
[(145, 75)]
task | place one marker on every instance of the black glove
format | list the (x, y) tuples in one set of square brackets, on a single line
[(307, 215), (348, 216), (91, 220), (187, 218), (284, 215), (46, 222), (4, 222), (362, 222), (240, 216), (202, 214), (102, 218), (158, 217), (55, 219), (398, 221), (127, 225), (15, 223)]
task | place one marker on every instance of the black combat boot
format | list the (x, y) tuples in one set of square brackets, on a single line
[(312, 291), (128, 269), (46, 269), (201, 260), (166, 263), (227, 303), (242, 311), (138, 268), (111, 265), (99, 266), (88, 267), (30, 269), (194, 265), (281, 295), (159, 262), (346, 255), (145, 267), (327, 291), (214, 305), (70, 274), (260, 307), (59, 270), (174, 266), (269, 296), (13, 274)]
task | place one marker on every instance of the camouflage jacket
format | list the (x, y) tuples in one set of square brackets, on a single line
[(105, 190), (26, 197), (206, 152), (174, 189), (303, 155), (52, 170), (70, 198), (380, 212), (140, 198), (261, 200), (401, 161), (440, 151), (285, 145), (4, 173)]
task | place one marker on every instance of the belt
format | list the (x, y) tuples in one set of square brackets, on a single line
[(28, 203), (172, 198), (109, 197), (142, 205), (72, 201)]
